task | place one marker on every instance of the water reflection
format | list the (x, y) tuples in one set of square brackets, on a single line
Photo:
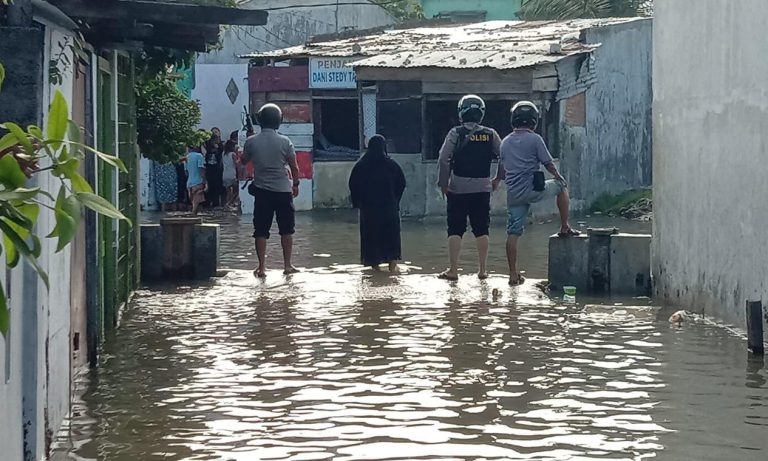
[(340, 363)]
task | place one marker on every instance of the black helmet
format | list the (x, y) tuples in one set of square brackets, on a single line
[(525, 114), (270, 116), (471, 109)]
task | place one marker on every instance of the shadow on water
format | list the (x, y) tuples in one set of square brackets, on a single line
[(340, 363)]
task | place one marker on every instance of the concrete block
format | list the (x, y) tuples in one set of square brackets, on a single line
[(205, 251), (177, 257), (569, 262), (331, 184), (151, 250), (630, 264)]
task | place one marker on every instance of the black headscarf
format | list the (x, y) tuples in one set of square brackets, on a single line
[(377, 149)]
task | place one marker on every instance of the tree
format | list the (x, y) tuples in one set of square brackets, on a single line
[(25, 154), (535, 10), (402, 10)]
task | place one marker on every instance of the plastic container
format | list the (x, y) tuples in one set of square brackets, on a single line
[(569, 295)]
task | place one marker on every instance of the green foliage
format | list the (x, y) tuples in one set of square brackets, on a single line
[(534, 10), (167, 120), (402, 10), (22, 151), (612, 204)]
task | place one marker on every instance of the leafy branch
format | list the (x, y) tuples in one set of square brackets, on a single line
[(22, 152)]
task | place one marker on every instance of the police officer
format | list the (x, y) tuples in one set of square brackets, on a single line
[(465, 180)]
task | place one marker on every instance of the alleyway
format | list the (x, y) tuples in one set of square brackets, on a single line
[(337, 363)]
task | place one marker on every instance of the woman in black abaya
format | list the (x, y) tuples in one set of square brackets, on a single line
[(376, 185)]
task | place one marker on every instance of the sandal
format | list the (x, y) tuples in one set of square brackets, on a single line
[(446, 275), (569, 233)]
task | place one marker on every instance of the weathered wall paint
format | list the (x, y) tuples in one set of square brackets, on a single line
[(618, 111), (496, 9), (710, 119)]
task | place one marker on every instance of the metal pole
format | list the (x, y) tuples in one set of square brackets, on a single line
[(755, 327)]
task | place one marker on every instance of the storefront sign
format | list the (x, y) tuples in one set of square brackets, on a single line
[(331, 73)]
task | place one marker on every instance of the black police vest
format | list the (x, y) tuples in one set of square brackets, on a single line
[(474, 153)]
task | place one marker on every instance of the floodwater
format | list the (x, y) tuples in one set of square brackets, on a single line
[(338, 363)]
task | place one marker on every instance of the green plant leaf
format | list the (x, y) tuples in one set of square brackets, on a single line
[(79, 184), (21, 137), (5, 314), (73, 131), (15, 239), (58, 118), (43, 275), (35, 131), (2, 75), (110, 159), (68, 168), (19, 194), (11, 255), (7, 141), (11, 174), (100, 205), (67, 228)]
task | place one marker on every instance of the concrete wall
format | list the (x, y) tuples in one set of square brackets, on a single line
[(211, 81), (497, 9), (710, 116), (421, 197), (35, 358), (618, 112)]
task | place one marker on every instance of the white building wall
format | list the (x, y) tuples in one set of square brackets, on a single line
[(11, 387), (54, 302), (710, 114), (211, 81)]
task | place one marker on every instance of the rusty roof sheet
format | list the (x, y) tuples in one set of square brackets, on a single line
[(493, 44)]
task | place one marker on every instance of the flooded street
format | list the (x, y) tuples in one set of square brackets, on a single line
[(339, 363)]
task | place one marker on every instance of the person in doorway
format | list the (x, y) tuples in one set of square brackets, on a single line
[(522, 153), (196, 178), (229, 172), (275, 185), (376, 186), (214, 151), (464, 177)]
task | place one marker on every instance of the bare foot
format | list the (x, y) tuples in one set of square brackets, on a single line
[(448, 275), (260, 273), (515, 280), (394, 268), (482, 275), (290, 270)]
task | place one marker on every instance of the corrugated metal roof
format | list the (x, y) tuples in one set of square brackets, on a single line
[(493, 44)]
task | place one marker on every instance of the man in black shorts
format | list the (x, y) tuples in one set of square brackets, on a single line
[(465, 180), (273, 188)]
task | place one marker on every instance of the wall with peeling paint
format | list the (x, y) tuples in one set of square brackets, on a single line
[(618, 111), (710, 119)]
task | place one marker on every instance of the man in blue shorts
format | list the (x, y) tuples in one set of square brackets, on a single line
[(522, 153)]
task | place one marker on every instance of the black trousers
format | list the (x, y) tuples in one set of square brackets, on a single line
[(269, 205), (475, 207)]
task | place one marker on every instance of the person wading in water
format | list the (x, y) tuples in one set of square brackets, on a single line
[(272, 156), (376, 185), (465, 180), (522, 153)]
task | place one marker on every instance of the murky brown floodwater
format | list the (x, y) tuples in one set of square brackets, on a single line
[(337, 363)]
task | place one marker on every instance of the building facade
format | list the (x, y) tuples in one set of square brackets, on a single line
[(221, 77), (590, 78), (710, 118)]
